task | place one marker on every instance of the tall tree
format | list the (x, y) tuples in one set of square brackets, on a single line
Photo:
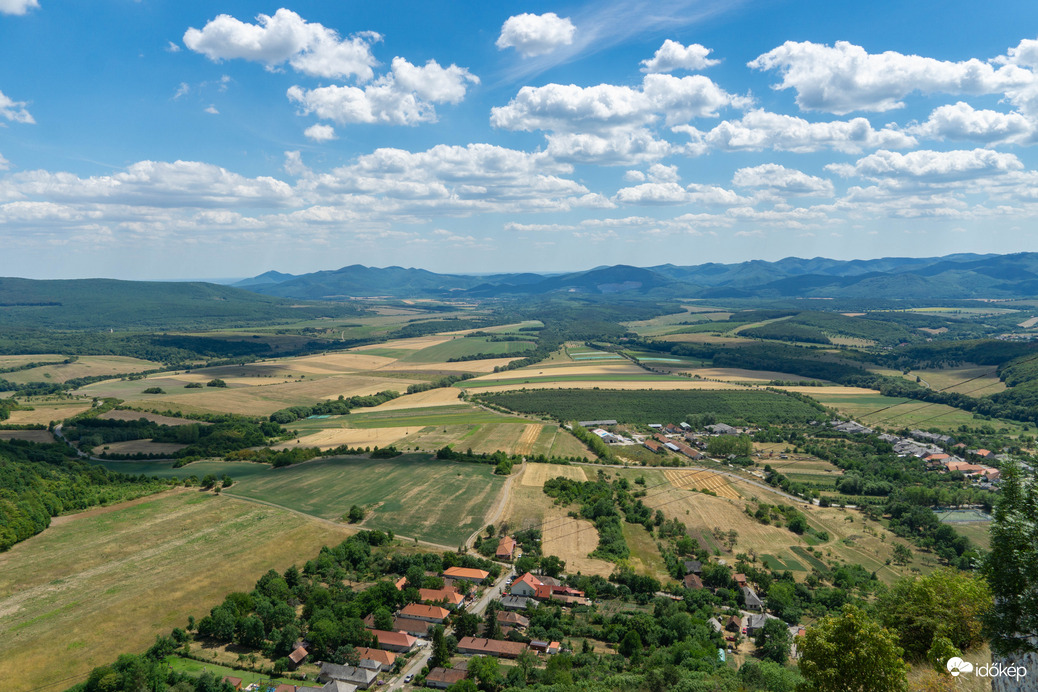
[(852, 653), (1011, 567)]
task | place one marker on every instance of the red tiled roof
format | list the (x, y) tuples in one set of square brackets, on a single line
[(400, 583), (424, 612), (386, 658), (447, 676), (435, 595), (401, 639), (298, 655), (506, 547), (494, 647), (466, 573)]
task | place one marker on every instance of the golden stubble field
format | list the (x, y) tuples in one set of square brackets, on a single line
[(702, 480), (84, 366), (572, 540), (109, 580), (536, 474)]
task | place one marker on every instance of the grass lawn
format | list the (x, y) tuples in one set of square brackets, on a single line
[(190, 666), (413, 495), (108, 580), (645, 556)]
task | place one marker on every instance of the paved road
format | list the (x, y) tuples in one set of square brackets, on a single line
[(493, 592)]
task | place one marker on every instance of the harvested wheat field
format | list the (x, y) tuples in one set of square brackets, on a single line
[(41, 436), (740, 375), (484, 365), (536, 474), (85, 366), (441, 396), (332, 363), (526, 441), (572, 540), (351, 437), (153, 417), (624, 368), (108, 580), (702, 480), (835, 389), (145, 446), (42, 414), (414, 344)]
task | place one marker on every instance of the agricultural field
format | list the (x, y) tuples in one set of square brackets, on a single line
[(47, 410), (645, 556), (84, 366), (462, 347), (120, 414), (109, 580), (413, 495), (976, 380), (144, 446), (689, 479), (573, 540), (237, 470), (649, 406), (740, 375), (852, 540), (41, 436), (536, 474), (898, 412)]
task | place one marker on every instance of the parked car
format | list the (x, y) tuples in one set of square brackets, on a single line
[(409, 677)]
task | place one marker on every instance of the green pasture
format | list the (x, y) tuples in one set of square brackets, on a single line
[(462, 347)]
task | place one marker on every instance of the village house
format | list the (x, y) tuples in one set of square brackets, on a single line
[(544, 647), (420, 611), (752, 600), (715, 624), (692, 581), (653, 446), (297, 656), (693, 567), (754, 623), (330, 686), (384, 659), (513, 602), (513, 619), (563, 594), (466, 574), (233, 682), (394, 641), (525, 585), (442, 678), (470, 646), (449, 596), (352, 675), (505, 548), (734, 624), (740, 580), (416, 628)]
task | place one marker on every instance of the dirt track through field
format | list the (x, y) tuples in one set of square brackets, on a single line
[(702, 480)]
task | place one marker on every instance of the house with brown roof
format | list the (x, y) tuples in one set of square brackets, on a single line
[(525, 585), (442, 678), (384, 659), (740, 580), (400, 583), (653, 446), (420, 611), (297, 656), (394, 641), (692, 581), (466, 574), (449, 596), (233, 682), (513, 619), (471, 646), (285, 687), (416, 628), (565, 594), (505, 548), (733, 624)]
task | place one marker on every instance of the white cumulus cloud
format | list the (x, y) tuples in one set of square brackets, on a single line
[(776, 178), (404, 96), (960, 121), (759, 130), (844, 77), (17, 7), (320, 133), (674, 56), (309, 47), (927, 166), (14, 111), (536, 34)]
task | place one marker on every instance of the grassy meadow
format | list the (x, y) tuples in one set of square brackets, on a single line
[(109, 580)]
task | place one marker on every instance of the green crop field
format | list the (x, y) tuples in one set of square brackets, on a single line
[(462, 347), (900, 412), (417, 417), (237, 470), (591, 377), (414, 495), (649, 406)]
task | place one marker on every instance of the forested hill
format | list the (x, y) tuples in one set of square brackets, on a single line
[(103, 304), (935, 278)]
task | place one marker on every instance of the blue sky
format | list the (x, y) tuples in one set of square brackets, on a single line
[(159, 139)]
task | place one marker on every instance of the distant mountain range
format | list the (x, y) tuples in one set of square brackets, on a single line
[(949, 277)]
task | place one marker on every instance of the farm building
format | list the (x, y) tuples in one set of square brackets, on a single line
[(233, 682), (297, 656), (593, 423), (693, 567), (448, 596), (740, 580), (505, 548), (394, 641), (466, 574), (734, 624), (653, 446), (545, 647), (442, 678), (490, 647), (429, 613), (352, 675), (715, 624)]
